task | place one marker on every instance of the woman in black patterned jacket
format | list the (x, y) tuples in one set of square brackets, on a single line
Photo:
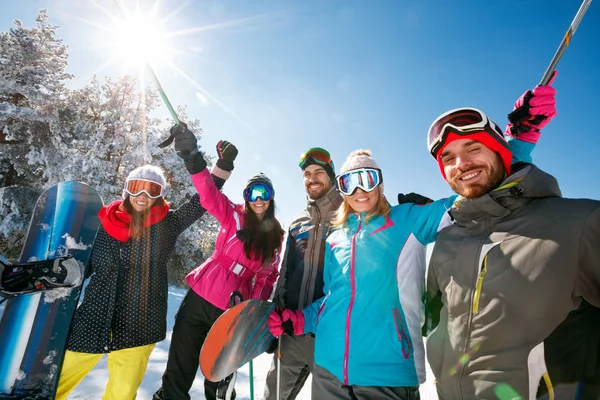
[(124, 309)]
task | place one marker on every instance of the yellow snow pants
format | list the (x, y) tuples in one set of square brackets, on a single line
[(126, 369)]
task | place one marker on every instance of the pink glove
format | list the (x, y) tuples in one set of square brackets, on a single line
[(297, 318), (275, 324), (532, 112), (277, 321)]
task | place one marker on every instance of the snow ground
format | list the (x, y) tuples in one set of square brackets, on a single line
[(92, 387)]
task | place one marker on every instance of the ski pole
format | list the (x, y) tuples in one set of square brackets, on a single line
[(251, 381), (520, 113), (278, 390), (565, 42), (159, 87)]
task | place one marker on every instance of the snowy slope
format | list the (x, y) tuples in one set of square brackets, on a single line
[(92, 387)]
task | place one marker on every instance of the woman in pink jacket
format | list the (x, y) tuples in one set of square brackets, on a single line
[(247, 248)]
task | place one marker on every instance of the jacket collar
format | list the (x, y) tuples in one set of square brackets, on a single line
[(330, 202), (116, 220), (517, 190)]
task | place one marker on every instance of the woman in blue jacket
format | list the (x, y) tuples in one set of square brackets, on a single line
[(368, 325)]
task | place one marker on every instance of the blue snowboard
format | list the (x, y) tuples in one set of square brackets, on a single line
[(34, 328)]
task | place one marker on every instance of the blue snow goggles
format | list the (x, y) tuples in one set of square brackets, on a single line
[(258, 191), (365, 178)]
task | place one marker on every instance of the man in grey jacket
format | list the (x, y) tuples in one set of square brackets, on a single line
[(301, 274), (519, 260)]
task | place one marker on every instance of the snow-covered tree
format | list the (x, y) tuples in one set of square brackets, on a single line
[(96, 134), (111, 132), (32, 78)]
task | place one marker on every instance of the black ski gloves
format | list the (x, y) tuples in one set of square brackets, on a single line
[(186, 147), (413, 198), (227, 153)]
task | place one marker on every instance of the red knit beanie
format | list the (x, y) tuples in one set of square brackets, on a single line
[(489, 140)]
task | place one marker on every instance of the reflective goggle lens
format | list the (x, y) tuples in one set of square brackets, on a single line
[(365, 178), (136, 187), (258, 191), (316, 154), (460, 121)]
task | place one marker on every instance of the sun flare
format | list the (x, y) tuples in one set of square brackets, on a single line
[(139, 39)]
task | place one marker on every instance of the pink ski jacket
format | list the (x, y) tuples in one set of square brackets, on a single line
[(228, 269)]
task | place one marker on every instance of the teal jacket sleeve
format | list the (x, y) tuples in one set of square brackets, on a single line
[(427, 220), (521, 150)]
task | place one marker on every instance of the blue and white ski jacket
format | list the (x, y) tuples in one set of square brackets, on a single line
[(368, 325)]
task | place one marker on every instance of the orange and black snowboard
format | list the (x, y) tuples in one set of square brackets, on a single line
[(239, 335)]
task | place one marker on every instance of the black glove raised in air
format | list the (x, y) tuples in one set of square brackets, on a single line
[(186, 147), (227, 153)]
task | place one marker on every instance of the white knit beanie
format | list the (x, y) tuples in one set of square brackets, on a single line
[(149, 173), (358, 159)]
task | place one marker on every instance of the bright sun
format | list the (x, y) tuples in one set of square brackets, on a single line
[(139, 39)]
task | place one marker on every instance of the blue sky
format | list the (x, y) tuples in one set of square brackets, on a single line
[(284, 76)]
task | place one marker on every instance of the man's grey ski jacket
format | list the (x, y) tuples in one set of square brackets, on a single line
[(518, 260)]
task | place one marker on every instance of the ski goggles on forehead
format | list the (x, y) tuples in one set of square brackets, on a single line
[(461, 121), (318, 155), (365, 178), (136, 187), (258, 191)]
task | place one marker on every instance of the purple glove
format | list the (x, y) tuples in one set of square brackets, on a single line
[(532, 112), (275, 324), (297, 318)]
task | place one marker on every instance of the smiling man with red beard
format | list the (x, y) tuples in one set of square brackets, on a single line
[(513, 288), (473, 168)]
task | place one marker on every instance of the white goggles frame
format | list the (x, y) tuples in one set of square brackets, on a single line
[(162, 188), (359, 185)]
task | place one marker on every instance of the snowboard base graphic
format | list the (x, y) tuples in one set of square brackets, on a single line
[(34, 328), (239, 335)]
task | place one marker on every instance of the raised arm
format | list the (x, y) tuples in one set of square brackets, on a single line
[(192, 210), (186, 146), (214, 201)]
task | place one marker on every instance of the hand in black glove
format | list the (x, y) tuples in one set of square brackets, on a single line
[(227, 153), (413, 198), (186, 147)]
